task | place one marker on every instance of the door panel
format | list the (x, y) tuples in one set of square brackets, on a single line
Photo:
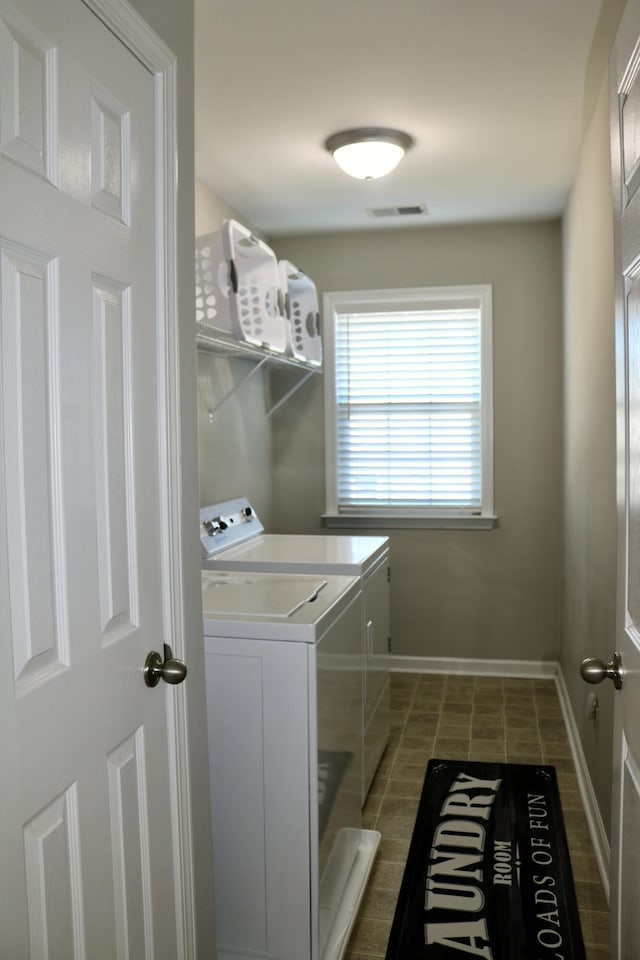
[(54, 884), (27, 75), (29, 322)]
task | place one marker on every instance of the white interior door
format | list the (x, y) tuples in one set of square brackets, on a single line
[(86, 845), (625, 130)]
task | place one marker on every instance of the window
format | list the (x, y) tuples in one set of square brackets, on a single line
[(408, 407)]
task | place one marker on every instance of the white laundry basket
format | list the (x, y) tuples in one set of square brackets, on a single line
[(238, 288), (301, 309)]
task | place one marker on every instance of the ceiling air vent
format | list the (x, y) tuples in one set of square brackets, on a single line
[(411, 210)]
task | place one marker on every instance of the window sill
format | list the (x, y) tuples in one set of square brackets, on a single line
[(408, 522)]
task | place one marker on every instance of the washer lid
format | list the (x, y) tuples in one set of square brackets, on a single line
[(265, 596), (273, 605)]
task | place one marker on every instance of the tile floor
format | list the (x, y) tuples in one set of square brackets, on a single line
[(471, 718)]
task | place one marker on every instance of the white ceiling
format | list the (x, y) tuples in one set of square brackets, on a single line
[(491, 90)]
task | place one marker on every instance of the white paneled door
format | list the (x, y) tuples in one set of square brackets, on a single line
[(625, 130), (86, 844)]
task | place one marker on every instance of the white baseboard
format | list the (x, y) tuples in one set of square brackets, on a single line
[(530, 669), (599, 839), (460, 666)]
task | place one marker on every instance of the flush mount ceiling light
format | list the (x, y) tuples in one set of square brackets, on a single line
[(368, 152)]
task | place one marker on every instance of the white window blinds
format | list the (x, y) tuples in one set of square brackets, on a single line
[(409, 420)]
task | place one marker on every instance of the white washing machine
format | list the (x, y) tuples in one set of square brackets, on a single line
[(284, 697), (233, 538)]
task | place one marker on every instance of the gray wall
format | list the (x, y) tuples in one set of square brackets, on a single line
[(464, 593), (590, 444)]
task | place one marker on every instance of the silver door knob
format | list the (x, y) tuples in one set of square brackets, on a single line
[(171, 670), (594, 670)]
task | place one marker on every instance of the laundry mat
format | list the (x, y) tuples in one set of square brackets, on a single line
[(488, 873)]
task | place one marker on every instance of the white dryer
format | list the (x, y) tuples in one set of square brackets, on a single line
[(283, 678), (233, 538)]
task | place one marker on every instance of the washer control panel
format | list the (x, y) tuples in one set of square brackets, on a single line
[(226, 524)]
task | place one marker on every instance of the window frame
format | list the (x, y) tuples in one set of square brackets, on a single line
[(336, 303)]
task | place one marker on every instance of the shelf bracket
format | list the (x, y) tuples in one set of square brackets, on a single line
[(280, 403), (250, 373), (210, 340)]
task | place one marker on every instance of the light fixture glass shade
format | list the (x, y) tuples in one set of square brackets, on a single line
[(370, 152)]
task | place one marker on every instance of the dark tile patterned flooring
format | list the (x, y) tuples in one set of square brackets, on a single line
[(471, 718)]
